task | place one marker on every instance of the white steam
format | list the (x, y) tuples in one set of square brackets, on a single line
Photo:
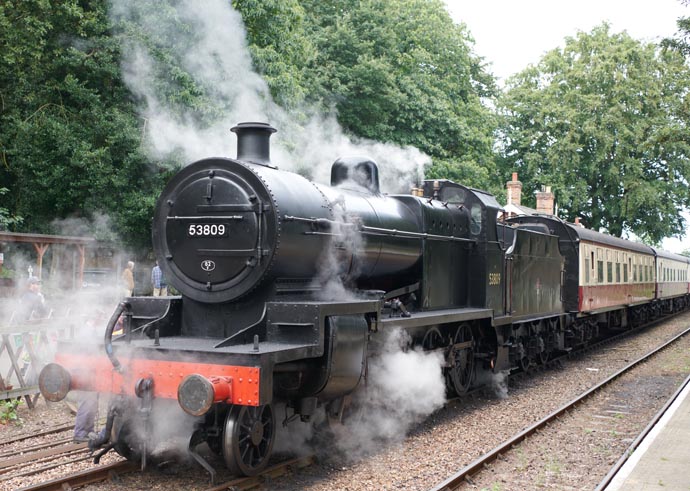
[(403, 388), (494, 383), (208, 42)]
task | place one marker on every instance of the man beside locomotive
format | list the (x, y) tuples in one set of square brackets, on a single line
[(160, 288), (33, 302)]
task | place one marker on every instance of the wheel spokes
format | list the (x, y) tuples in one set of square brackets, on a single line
[(248, 438)]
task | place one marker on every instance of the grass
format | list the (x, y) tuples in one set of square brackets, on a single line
[(8, 411)]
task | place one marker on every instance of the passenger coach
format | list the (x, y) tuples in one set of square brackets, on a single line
[(614, 278), (672, 280)]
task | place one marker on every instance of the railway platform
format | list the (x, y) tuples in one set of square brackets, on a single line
[(662, 459)]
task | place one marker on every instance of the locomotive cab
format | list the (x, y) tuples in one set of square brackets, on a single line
[(477, 277)]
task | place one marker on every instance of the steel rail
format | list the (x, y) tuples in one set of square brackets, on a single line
[(57, 429), (40, 455), (280, 469), (464, 474), (83, 478), (104, 472)]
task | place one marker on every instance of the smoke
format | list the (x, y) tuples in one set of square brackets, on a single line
[(60, 310), (403, 388), (494, 383), (338, 262), (209, 45)]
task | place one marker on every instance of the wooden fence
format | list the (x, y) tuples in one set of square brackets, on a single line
[(26, 347)]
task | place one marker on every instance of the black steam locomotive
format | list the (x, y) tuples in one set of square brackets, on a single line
[(286, 285)]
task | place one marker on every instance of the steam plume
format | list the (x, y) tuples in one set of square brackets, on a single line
[(209, 43)]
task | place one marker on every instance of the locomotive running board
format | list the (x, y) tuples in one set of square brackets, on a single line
[(420, 319)]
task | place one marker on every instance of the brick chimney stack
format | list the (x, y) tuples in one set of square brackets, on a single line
[(514, 188), (545, 200)]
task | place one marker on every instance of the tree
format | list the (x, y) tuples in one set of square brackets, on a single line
[(401, 71), (7, 220), (69, 136), (280, 48), (604, 122), (681, 41)]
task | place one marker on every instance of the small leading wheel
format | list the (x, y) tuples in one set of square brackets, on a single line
[(248, 438), (461, 356)]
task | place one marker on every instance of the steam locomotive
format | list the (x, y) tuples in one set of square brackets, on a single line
[(286, 287)]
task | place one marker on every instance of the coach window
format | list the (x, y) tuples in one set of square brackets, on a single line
[(609, 272), (618, 272), (625, 272), (587, 271), (600, 271)]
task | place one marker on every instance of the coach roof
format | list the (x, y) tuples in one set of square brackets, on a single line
[(609, 240)]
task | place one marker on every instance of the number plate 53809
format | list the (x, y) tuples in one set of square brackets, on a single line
[(207, 230)]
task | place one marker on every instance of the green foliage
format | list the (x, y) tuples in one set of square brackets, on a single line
[(604, 122), (7, 221), (70, 137), (279, 45), (681, 42), (8, 411), (401, 71)]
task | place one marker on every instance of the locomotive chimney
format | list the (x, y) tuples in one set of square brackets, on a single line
[(252, 142)]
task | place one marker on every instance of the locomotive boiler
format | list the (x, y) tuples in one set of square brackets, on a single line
[(286, 286)]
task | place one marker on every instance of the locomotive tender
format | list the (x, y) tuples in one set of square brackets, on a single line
[(253, 251)]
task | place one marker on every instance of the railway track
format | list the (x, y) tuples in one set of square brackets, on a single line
[(475, 468), (115, 470), (40, 458)]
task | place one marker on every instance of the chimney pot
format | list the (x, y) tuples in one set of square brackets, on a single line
[(514, 190), (545, 200), (253, 142)]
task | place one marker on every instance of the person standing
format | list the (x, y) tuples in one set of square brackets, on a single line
[(33, 302), (160, 288), (128, 279)]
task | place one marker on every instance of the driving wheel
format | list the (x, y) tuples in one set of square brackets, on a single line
[(461, 356)]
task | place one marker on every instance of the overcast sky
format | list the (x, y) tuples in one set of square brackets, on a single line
[(512, 34)]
